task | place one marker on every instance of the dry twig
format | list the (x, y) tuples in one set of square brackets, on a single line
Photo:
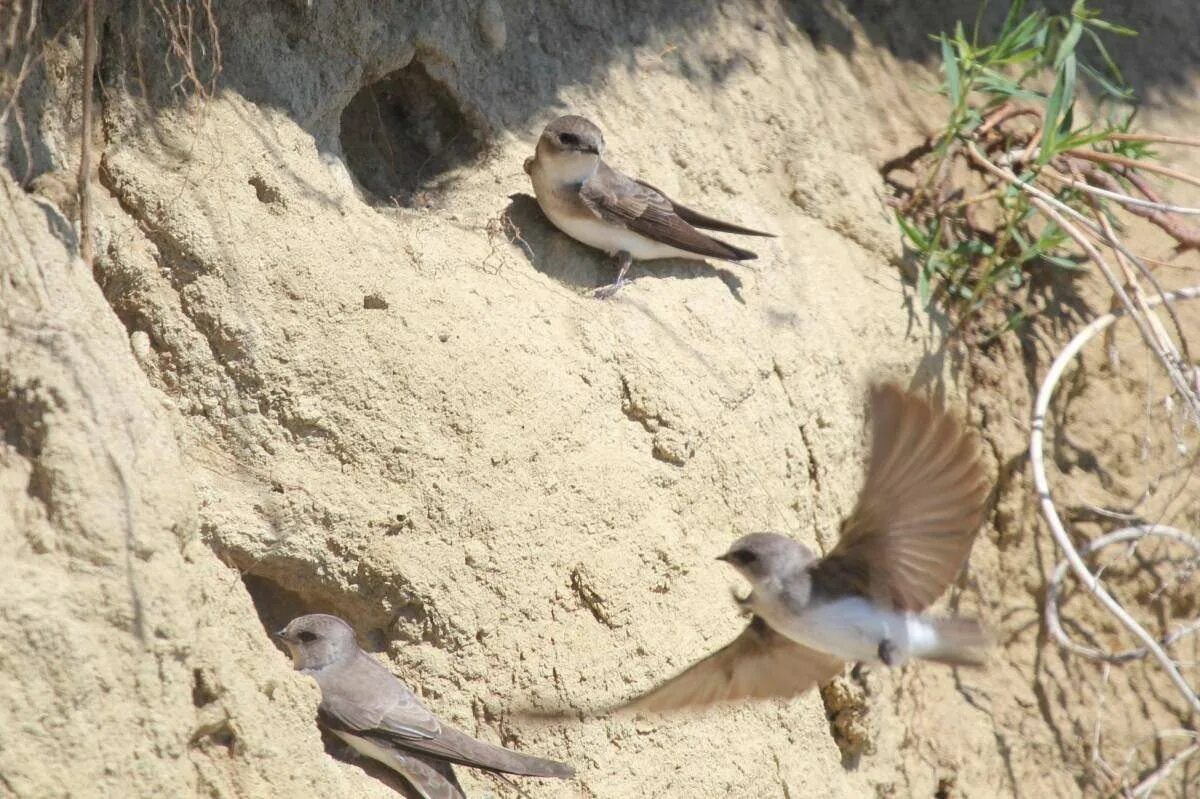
[(1086, 577)]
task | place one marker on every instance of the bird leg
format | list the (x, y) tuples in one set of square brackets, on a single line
[(887, 652), (624, 261)]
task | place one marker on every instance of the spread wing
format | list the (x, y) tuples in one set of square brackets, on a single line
[(643, 209), (919, 508), (758, 664)]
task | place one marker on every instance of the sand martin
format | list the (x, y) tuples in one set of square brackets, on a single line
[(595, 204), (906, 539), (366, 706)]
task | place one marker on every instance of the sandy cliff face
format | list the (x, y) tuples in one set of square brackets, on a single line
[(333, 359)]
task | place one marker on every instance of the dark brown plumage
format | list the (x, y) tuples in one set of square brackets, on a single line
[(640, 207)]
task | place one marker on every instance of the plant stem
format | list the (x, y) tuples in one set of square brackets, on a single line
[(1112, 158)]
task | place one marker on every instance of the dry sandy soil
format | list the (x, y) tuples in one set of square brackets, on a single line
[(332, 358)]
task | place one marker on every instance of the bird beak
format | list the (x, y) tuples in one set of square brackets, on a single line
[(724, 557), (281, 633)]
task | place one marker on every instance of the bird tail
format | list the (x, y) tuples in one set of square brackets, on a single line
[(737, 253), (458, 747), (958, 642)]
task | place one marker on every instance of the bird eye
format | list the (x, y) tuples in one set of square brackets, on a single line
[(569, 139), (745, 557), (306, 636)]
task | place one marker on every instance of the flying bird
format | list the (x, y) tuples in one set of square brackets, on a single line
[(906, 539), (366, 706), (628, 218)]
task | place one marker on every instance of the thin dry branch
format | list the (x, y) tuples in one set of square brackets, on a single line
[(1156, 327), (1133, 163), (1054, 210), (1176, 228), (1123, 536), (1113, 192), (1003, 113), (1146, 786), (1186, 141), (1086, 577)]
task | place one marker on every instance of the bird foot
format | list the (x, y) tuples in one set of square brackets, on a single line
[(887, 652), (604, 292)]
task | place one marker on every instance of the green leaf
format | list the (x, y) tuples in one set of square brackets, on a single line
[(1058, 110), (1050, 125), (927, 268), (1119, 92), (912, 232), (1069, 74), (1066, 47), (1108, 61), (1119, 30), (978, 20), (1017, 57), (1010, 18), (1082, 139), (993, 82), (1020, 38), (952, 77), (1065, 263)]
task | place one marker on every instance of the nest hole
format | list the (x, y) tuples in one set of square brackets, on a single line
[(405, 135)]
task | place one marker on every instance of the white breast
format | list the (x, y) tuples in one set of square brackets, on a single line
[(850, 628)]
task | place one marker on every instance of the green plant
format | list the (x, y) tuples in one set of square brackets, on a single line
[(977, 228)]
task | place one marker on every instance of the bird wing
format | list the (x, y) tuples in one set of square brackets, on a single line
[(424, 775), (365, 699), (918, 511), (758, 664), (430, 777), (363, 696), (697, 219), (643, 209), (458, 747)]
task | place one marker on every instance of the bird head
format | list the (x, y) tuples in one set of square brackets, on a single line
[(572, 146), (765, 557), (318, 640)]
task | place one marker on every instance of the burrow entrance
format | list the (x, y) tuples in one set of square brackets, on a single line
[(405, 134)]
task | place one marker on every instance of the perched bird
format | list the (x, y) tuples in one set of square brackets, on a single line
[(366, 706), (906, 539), (595, 204)]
